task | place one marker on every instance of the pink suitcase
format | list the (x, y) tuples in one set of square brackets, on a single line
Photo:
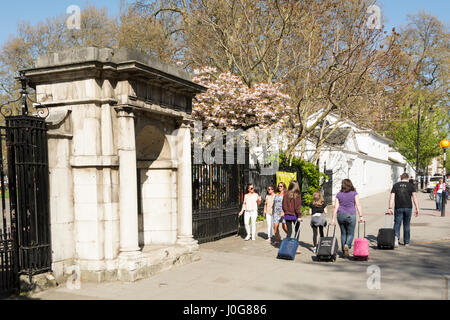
[(361, 247)]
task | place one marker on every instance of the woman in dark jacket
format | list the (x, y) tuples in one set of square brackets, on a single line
[(292, 203)]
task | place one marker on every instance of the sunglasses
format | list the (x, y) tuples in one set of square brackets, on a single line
[(251, 188)]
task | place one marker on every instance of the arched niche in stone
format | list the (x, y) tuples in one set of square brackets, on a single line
[(151, 145), (157, 186)]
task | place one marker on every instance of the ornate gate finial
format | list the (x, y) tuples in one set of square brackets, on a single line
[(7, 110)]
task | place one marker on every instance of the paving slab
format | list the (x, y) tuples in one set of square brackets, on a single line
[(234, 269)]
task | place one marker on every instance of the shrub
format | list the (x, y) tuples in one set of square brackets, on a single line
[(312, 177)]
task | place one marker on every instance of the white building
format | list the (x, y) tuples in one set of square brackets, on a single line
[(361, 155)]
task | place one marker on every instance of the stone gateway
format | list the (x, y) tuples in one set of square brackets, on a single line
[(119, 160)]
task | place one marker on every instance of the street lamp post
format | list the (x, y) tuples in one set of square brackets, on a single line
[(444, 145), (417, 146)]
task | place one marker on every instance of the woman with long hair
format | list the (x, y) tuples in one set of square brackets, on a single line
[(292, 203), (278, 211), (250, 207), (318, 211), (268, 211), (345, 205)]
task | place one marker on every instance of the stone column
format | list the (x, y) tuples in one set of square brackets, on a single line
[(128, 208), (184, 185)]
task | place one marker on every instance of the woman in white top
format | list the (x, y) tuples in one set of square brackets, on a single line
[(250, 207)]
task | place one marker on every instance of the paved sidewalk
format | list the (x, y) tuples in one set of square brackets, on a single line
[(232, 268)]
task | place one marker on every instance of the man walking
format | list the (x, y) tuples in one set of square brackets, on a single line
[(402, 192)]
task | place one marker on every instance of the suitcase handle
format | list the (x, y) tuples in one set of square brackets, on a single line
[(298, 231), (385, 219), (364, 228), (334, 230)]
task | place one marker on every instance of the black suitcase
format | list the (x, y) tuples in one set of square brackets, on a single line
[(386, 236), (328, 247)]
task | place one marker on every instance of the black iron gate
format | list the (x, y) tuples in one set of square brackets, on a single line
[(217, 195), (25, 220)]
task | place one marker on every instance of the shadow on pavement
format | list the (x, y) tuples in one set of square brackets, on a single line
[(263, 235), (306, 245), (17, 297), (406, 270)]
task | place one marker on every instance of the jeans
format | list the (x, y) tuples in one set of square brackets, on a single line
[(402, 215), (289, 224), (347, 223), (269, 221), (438, 201), (253, 215)]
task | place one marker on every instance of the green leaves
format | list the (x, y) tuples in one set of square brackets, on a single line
[(432, 131), (312, 177)]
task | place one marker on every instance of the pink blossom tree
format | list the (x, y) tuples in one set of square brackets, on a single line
[(231, 104)]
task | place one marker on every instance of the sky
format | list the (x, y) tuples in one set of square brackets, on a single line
[(13, 12)]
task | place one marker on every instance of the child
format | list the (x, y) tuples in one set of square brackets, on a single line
[(318, 211)]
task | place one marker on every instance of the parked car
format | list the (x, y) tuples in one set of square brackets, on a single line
[(432, 183)]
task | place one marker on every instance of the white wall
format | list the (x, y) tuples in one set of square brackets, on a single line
[(158, 182), (158, 206), (370, 173)]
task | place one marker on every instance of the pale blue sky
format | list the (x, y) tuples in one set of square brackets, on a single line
[(14, 11)]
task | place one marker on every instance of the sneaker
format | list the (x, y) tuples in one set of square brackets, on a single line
[(253, 239), (314, 250), (396, 242), (406, 244), (346, 253), (247, 238)]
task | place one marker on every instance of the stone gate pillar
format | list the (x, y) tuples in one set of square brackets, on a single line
[(128, 209), (184, 185)]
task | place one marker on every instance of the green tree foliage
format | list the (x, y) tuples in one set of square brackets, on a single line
[(447, 162), (424, 43), (433, 127), (312, 181)]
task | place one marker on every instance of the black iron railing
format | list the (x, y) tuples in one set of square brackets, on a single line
[(24, 186), (217, 195), (29, 197)]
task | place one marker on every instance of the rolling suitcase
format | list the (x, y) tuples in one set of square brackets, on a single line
[(386, 236), (361, 247), (328, 247), (288, 247)]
